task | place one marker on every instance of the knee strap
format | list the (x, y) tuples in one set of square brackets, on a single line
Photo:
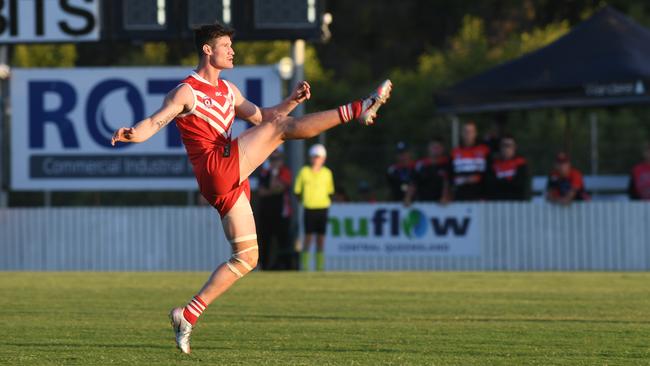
[(236, 259), (239, 239)]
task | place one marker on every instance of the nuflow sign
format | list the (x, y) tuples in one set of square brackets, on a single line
[(394, 230), (63, 120)]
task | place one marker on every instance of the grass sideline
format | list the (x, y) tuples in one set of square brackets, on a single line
[(330, 319)]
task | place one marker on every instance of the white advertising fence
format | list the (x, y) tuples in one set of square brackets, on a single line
[(111, 239), (595, 236)]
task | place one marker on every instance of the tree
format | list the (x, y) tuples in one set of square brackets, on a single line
[(44, 55), (410, 116)]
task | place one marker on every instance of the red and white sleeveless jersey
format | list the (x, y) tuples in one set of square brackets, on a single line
[(208, 122)]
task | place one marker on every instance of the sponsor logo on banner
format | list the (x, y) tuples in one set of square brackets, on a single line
[(63, 121), (393, 230)]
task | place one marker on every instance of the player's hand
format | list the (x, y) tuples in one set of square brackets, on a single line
[(123, 135), (301, 92)]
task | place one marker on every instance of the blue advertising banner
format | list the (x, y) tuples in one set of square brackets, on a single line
[(63, 120)]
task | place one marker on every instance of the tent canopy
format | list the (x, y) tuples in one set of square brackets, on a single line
[(603, 61)]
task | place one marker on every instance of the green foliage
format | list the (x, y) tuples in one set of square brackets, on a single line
[(190, 60), (260, 52), (148, 54), (44, 55), (526, 42), (468, 53), (270, 53), (410, 114)]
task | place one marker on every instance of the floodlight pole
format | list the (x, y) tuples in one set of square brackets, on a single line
[(297, 147), (593, 119), (3, 122), (455, 130)]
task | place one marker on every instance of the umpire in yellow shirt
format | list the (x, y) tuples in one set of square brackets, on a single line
[(314, 186)]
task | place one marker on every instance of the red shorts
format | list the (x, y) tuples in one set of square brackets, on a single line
[(218, 178)]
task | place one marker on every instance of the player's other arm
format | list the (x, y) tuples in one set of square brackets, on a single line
[(256, 115), (176, 101)]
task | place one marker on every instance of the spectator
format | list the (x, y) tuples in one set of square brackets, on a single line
[(400, 174), (508, 178), (365, 192), (274, 215), (430, 176), (314, 185), (340, 194), (640, 178), (565, 184), (469, 165)]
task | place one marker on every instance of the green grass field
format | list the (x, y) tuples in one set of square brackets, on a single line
[(330, 319)]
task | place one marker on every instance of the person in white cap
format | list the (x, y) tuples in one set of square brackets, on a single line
[(314, 186)]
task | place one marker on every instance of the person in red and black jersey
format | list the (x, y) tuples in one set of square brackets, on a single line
[(430, 176), (274, 214), (640, 178), (469, 165), (565, 184), (508, 178), (400, 174)]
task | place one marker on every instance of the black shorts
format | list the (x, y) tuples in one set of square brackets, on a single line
[(315, 221)]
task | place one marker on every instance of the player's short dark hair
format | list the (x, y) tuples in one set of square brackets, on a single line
[(437, 138), (206, 33)]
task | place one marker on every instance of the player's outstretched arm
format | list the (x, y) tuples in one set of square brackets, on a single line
[(256, 115), (176, 101), (301, 93)]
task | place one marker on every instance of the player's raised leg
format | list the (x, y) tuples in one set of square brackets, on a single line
[(257, 143)]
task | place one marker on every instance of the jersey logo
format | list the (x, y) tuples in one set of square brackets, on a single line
[(506, 174), (208, 102)]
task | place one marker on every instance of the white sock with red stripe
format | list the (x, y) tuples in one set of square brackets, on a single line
[(350, 111), (194, 309)]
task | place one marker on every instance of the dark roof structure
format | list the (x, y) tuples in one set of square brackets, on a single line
[(603, 61)]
